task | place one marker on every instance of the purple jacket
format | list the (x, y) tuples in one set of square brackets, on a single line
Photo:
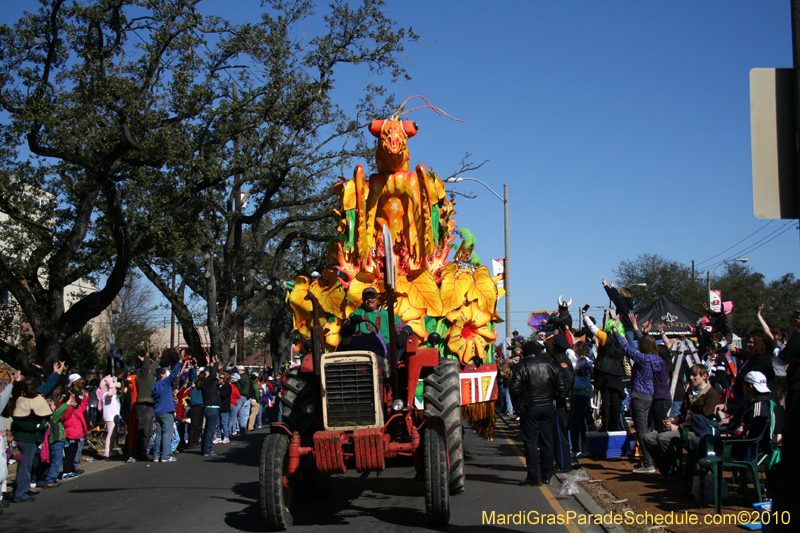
[(645, 367)]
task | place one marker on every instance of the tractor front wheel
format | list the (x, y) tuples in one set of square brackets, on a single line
[(437, 476), (442, 398), (275, 491)]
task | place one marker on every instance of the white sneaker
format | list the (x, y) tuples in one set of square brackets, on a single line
[(225, 441), (217, 441), (170, 460)]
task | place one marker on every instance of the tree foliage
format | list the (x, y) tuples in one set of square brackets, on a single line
[(82, 352), (131, 324), (265, 222), (738, 283), (664, 277), (123, 142)]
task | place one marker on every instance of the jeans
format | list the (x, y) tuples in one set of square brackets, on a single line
[(505, 398), (78, 453), (56, 458), (640, 408), (660, 411), (260, 415), (243, 414), (165, 425), (675, 410), (561, 439), (224, 420), (24, 469), (233, 419), (212, 420)]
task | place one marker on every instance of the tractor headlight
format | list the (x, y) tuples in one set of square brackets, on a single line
[(309, 408), (398, 405)]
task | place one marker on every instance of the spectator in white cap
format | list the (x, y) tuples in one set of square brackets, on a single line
[(735, 419), (75, 386), (245, 385)]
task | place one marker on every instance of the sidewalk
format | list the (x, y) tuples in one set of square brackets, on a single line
[(644, 493)]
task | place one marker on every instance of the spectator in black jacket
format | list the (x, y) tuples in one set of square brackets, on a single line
[(759, 358), (207, 385), (563, 405), (790, 458), (623, 302), (537, 384)]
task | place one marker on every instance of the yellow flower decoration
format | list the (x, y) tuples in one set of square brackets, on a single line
[(469, 333), (332, 337)]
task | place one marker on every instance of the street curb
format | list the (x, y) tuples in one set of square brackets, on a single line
[(587, 502), (583, 498)]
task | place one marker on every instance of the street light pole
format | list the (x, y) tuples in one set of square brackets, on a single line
[(506, 266), (710, 274), (506, 259)]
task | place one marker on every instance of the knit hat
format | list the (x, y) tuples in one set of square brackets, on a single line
[(529, 348), (73, 378)]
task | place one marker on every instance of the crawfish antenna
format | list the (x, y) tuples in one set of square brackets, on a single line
[(437, 110)]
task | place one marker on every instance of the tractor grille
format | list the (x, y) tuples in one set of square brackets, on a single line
[(350, 394)]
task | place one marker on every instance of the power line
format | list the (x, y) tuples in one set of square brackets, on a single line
[(709, 260), (783, 229)]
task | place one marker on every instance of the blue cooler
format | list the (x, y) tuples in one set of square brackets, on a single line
[(608, 444)]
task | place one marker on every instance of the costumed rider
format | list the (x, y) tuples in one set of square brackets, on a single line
[(369, 328), (560, 320)]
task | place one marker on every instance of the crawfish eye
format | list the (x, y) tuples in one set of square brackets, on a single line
[(410, 128)]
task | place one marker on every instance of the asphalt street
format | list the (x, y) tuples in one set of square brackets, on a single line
[(200, 494)]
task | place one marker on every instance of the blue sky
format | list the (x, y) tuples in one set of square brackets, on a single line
[(620, 128)]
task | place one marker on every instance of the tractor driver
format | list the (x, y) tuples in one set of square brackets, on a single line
[(370, 331)]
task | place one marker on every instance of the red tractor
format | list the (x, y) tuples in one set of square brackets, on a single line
[(340, 411)]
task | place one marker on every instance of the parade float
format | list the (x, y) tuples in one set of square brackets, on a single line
[(346, 406), (456, 298)]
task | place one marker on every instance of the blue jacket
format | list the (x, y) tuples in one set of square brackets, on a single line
[(162, 393)]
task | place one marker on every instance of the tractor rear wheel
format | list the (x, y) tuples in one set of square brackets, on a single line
[(275, 490), (442, 399), (437, 477), (301, 389)]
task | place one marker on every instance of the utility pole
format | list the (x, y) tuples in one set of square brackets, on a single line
[(506, 265), (172, 314), (237, 239), (796, 85)]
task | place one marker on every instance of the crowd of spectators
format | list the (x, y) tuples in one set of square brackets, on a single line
[(162, 411), (672, 394)]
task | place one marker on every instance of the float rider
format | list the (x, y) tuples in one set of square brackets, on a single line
[(369, 327)]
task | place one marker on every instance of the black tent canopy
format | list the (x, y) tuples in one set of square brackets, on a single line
[(675, 319)]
